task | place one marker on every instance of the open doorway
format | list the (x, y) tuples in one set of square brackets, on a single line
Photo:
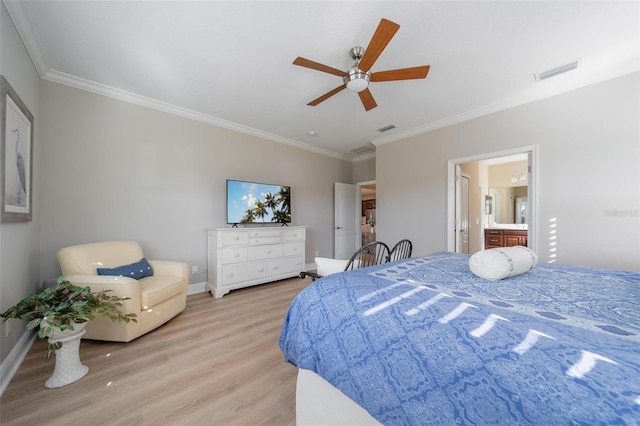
[(462, 200), (367, 212), (354, 217), (501, 200)]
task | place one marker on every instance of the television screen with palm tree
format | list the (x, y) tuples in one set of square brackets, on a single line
[(258, 203)]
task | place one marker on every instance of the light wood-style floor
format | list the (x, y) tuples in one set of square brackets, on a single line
[(217, 363)]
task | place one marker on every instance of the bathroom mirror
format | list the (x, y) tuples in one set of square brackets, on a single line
[(509, 204), (509, 187)]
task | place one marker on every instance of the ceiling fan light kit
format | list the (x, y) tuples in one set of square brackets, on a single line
[(357, 80), (358, 77)]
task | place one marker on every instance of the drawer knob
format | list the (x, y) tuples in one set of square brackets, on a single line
[(268, 251), (261, 270), (236, 238), (275, 268), (230, 275), (236, 255)]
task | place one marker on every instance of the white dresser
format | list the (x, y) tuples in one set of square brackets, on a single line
[(242, 257)]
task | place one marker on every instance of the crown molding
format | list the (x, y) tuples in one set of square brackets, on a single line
[(363, 157), (27, 34), (507, 103), (101, 89)]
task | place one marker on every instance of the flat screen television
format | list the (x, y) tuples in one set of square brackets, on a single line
[(259, 203)]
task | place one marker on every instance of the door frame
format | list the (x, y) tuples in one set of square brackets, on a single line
[(459, 202), (532, 152)]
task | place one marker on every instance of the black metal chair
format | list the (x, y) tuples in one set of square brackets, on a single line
[(374, 253), (402, 250)]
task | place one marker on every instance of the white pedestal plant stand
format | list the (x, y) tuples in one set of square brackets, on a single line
[(68, 367)]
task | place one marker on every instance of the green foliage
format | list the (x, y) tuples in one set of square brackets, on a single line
[(61, 306)]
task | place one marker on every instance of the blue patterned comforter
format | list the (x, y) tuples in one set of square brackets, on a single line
[(424, 341)]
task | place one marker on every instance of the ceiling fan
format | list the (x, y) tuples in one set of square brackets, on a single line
[(357, 78)]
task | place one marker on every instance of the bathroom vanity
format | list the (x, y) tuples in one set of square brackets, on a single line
[(505, 237)]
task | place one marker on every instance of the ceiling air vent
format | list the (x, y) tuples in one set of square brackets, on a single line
[(385, 128), (363, 150), (557, 71)]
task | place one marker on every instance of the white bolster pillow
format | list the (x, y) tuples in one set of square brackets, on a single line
[(328, 266), (498, 263), (332, 266)]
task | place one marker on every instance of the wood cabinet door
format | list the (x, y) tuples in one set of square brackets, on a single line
[(512, 240), (515, 238)]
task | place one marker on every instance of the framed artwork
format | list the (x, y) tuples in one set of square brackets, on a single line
[(16, 156)]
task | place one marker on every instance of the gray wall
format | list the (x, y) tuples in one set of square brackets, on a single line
[(115, 170), (364, 170), (588, 174), (19, 242)]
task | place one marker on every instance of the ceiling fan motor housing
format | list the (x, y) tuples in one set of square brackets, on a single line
[(357, 80)]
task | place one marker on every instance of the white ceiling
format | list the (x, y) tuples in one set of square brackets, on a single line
[(230, 62)]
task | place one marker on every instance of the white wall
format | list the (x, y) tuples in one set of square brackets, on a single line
[(115, 170), (19, 242), (589, 174)]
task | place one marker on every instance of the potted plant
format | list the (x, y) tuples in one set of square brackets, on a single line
[(60, 313)]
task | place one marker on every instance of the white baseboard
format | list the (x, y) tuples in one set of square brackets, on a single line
[(197, 288), (11, 364)]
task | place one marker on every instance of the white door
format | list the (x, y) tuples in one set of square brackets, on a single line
[(462, 211), (345, 229)]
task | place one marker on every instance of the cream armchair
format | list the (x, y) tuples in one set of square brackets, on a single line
[(154, 299)]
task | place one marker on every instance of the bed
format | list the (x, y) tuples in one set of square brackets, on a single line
[(425, 341)]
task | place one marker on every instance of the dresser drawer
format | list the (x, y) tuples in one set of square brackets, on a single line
[(234, 255), (285, 266), (266, 252), (291, 249), (234, 238), (232, 274), (262, 233), (258, 241), (294, 234)]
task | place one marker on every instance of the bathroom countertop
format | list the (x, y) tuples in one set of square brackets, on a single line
[(513, 226)]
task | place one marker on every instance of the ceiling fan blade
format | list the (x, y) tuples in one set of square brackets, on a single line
[(401, 74), (383, 35), (367, 99), (318, 67), (326, 96)]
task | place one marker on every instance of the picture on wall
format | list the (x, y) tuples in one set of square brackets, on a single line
[(16, 156)]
